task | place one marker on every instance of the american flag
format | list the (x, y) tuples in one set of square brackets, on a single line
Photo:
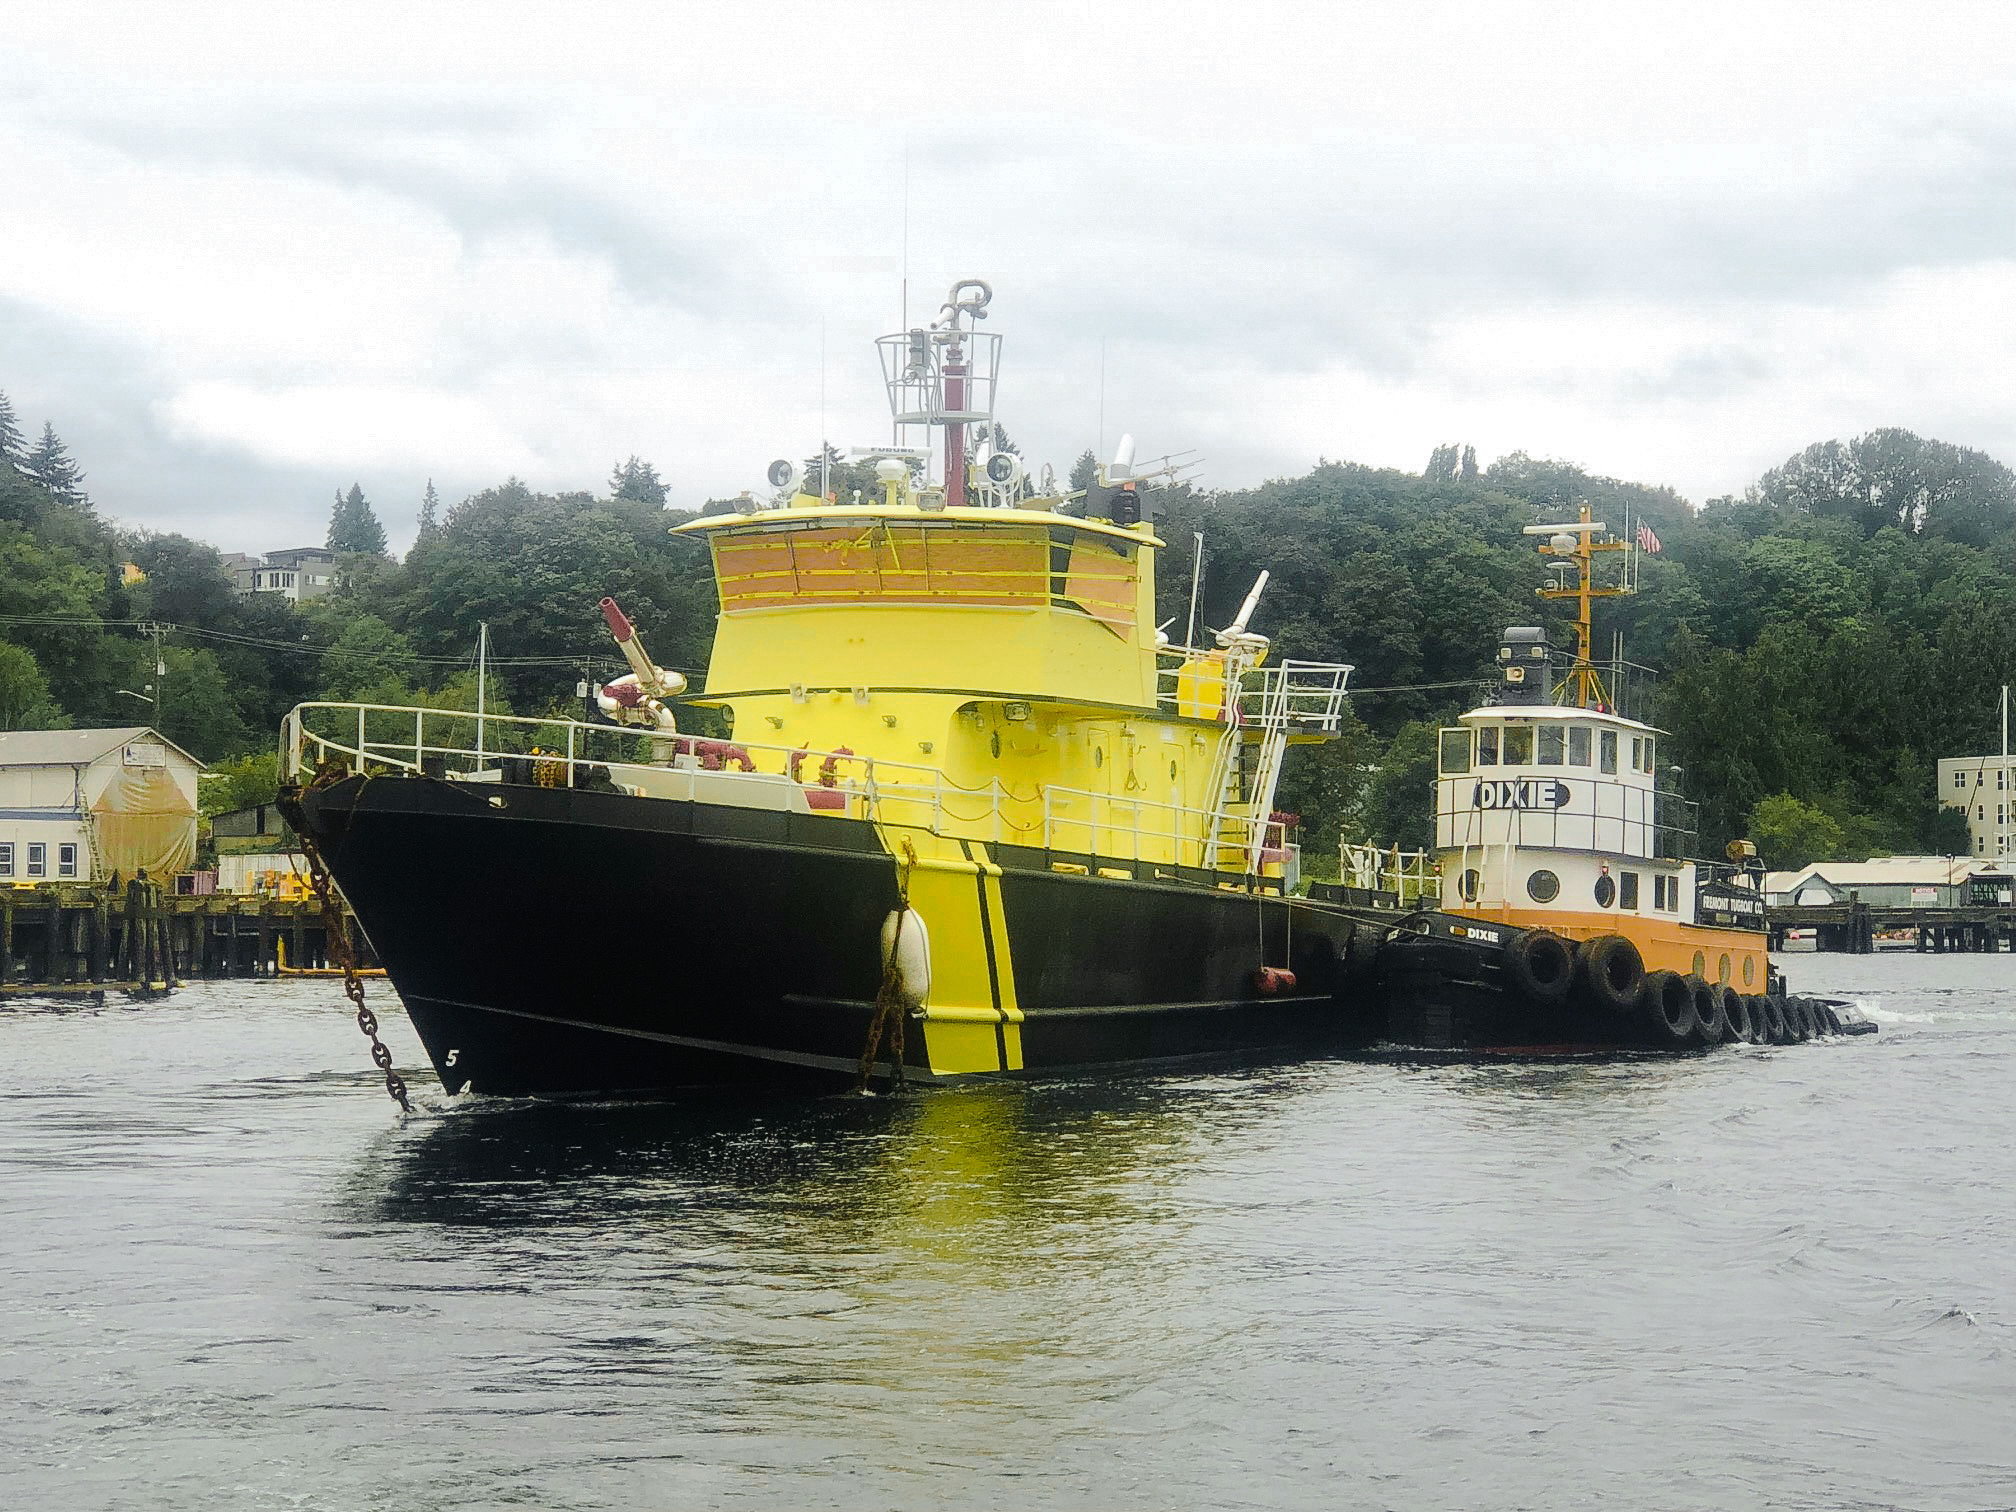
[(1647, 542)]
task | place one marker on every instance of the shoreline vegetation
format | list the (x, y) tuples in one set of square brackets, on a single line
[(1823, 639)]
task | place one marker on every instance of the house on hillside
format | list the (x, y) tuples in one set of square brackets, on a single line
[(79, 805), (295, 573)]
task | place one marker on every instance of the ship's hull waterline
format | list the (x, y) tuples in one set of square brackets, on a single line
[(563, 941)]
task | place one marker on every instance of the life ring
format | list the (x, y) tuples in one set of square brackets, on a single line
[(1539, 965), (1666, 1007), (1611, 971), (1735, 1014), (1709, 1022)]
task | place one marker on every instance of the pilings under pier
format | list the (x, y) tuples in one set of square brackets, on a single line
[(1853, 928), (78, 938)]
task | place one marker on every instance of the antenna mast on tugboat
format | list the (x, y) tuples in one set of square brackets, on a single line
[(1574, 544)]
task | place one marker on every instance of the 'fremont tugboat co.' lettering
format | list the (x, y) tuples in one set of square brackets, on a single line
[(1521, 793)]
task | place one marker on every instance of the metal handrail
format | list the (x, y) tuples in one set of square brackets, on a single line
[(891, 792)]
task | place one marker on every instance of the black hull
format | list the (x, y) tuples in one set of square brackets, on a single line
[(560, 941)]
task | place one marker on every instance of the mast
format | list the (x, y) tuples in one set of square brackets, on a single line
[(1574, 545)]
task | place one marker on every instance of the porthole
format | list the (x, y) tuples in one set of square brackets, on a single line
[(1700, 964), (1467, 885), (1543, 887), (1722, 969), (1749, 971), (1606, 890)]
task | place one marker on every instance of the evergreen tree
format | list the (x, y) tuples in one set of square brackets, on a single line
[(51, 465), (637, 480), (429, 503), (353, 527), (1085, 471), (13, 447)]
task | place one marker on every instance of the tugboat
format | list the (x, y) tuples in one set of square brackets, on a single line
[(972, 814), (1572, 914)]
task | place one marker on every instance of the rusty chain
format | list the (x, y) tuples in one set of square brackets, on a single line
[(337, 936), (890, 1006)]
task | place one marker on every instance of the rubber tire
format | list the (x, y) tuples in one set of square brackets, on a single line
[(1539, 966), (1361, 951), (1735, 1015), (1830, 1021), (1666, 1009), (1611, 972), (1708, 1021), (1798, 1021), (1760, 1019), (1774, 1021)]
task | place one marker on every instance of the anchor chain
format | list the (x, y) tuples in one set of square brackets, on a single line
[(891, 1007), (338, 938)]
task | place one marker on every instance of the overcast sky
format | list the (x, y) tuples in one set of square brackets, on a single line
[(249, 255)]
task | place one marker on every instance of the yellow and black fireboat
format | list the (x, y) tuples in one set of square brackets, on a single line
[(972, 812)]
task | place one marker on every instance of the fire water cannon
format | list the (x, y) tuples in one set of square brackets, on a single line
[(638, 698), (1236, 637)]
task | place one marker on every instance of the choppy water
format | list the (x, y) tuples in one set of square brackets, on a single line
[(230, 1277)]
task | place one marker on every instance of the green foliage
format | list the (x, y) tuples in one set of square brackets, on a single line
[(430, 504), (1790, 834), (367, 654), (1399, 797), (13, 446), (25, 703), (637, 481), (50, 464), (1085, 471), (353, 525), (241, 783)]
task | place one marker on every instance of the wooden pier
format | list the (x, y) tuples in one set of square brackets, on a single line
[(1852, 928), (75, 939)]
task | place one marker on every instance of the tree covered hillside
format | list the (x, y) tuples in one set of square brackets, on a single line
[(1824, 638)]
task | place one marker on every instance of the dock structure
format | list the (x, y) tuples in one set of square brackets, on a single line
[(1852, 928), (72, 939)]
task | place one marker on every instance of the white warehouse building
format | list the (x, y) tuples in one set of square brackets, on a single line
[(79, 805)]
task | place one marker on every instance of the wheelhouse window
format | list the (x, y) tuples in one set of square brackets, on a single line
[(1455, 751), (1487, 746), (1637, 753), (1959, 779), (6, 858), (1578, 745), (1627, 889), (1518, 745), (66, 860), (1649, 764), (38, 860), (1606, 752), (1552, 745)]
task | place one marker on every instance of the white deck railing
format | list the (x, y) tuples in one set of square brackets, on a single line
[(457, 746)]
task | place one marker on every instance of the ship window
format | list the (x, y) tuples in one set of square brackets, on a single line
[(1578, 745), (1455, 750), (1627, 889), (1606, 890), (1648, 754), (1700, 964), (1468, 883), (38, 860), (1637, 754), (1749, 971), (66, 860), (1606, 751), (1722, 969), (1543, 887), (1518, 745), (1550, 745), (7, 859), (1487, 746), (1960, 779)]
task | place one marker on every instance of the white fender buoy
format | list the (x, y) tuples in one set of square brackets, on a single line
[(912, 951)]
